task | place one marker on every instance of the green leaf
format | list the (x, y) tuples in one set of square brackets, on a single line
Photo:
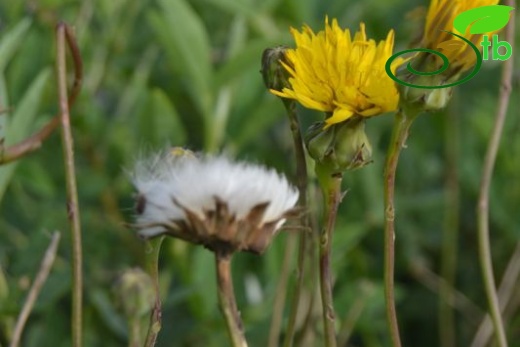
[(235, 7), (185, 39), (8, 47), (4, 104), (249, 56), (253, 127), (204, 282), (137, 86), (483, 19), (23, 119), (108, 313), (11, 41), (4, 289), (166, 122)]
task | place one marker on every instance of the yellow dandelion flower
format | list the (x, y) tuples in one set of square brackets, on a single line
[(441, 15), (332, 72)]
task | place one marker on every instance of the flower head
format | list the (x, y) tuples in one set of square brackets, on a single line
[(440, 18), (210, 200), (332, 72)]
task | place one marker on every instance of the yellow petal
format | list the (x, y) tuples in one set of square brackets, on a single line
[(339, 115)]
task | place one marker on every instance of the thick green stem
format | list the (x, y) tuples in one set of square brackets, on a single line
[(331, 186), (152, 251), (301, 183), (402, 123), (72, 192), (483, 202), (228, 305)]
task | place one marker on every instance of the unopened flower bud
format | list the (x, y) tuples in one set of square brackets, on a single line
[(274, 74), (135, 293), (340, 147), (429, 93), (438, 99)]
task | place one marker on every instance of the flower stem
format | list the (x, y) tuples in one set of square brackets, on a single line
[(281, 291), (135, 332), (152, 267), (301, 183), (72, 191), (483, 201), (331, 186), (447, 331), (402, 123), (227, 301)]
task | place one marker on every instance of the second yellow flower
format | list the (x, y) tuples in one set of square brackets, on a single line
[(331, 72)]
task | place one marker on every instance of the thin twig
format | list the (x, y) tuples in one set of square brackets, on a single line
[(72, 193), (485, 257), (152, 267), (41, 277), (301, 183), (281, 290), (35, 141), (402, 124), (332, 195), (505, 294), (227, 301), (456, 299), (366, 293)]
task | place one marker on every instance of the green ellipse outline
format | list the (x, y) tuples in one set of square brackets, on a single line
[(444, 67), (464, 80)]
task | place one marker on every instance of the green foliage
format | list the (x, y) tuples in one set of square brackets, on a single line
[(185, 73)]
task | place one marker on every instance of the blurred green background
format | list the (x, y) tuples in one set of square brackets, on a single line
[(186, 73)]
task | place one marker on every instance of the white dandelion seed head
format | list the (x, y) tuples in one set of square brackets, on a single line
[(169, 184)]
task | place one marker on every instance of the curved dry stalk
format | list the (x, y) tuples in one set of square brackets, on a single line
[(72, 192), (485, 184), (41, 277), (505, 295), (35, 141)]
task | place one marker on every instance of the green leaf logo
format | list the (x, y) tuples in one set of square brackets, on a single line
[(483, 19)]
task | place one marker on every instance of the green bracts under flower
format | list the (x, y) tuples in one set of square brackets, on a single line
[(340, 147)]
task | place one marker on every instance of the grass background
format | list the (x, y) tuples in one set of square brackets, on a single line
[(186, 72)]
